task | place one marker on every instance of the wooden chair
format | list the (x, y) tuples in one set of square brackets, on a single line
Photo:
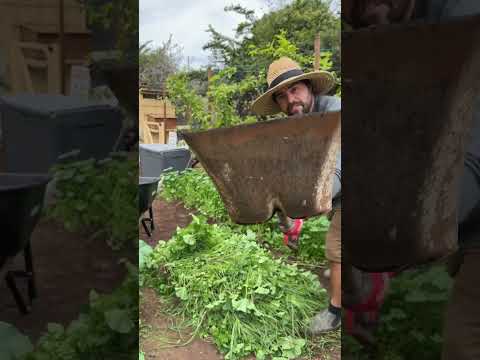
[(29, 59), (157, 130)]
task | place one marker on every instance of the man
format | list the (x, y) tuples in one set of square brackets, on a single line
[(294, 92)]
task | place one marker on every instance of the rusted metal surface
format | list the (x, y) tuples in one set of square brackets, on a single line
[(285, 164), (407, 100)]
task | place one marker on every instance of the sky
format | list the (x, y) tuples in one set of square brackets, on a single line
[(188, 20)]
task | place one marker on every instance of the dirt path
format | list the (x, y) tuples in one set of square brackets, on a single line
[(156, 326), (167, 217), (67, 266)]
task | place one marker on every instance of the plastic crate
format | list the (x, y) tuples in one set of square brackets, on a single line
[(155, 159)]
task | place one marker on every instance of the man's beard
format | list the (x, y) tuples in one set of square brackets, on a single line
[(305, 108)]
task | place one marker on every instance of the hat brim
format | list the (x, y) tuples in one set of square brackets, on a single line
[(322, 82)]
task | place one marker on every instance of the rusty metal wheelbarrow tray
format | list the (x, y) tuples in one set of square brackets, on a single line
[(407, 112), (285, 164)]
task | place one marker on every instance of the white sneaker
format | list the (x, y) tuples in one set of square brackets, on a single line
[(323, 322)]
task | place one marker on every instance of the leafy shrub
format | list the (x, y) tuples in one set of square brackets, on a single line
[(99, 195)]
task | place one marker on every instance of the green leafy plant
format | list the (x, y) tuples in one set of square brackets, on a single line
[(100, 196), (235, 292), (119, 17), (107, 329), (411, 319), (415, 306), (197, 192)]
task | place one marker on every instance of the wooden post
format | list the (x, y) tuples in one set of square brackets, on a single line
[(188, 115), (316, 66), (61, 32), (164, 98)]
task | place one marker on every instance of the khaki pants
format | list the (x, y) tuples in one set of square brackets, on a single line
[(333, 242), (462, 324)]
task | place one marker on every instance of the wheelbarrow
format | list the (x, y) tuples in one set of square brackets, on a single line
[(148, 188), (21, 204), (155, 159), (406, 120), (285, 165)]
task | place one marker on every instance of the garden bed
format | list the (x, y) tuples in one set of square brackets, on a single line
[(154, 314)]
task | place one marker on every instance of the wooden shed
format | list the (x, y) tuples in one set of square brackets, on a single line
[(30, 43), (157, 116)]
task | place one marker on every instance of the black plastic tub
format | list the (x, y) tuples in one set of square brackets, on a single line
[(155, 159), (56, 124)]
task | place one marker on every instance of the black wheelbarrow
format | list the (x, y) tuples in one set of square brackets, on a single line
[(21, 204), (148, 188), (156, 159)]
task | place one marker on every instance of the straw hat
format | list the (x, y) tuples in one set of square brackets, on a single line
[(285, 71)]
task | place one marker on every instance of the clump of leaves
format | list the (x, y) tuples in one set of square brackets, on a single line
[(411, 319), (196, 190), (219, 108), (107, 329), (101, 196), (235, 292), (416, 306)]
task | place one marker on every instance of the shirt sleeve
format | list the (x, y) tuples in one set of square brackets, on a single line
[(337, 181), (328, 103)]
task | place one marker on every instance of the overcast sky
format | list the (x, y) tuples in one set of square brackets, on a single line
[(188, 20)]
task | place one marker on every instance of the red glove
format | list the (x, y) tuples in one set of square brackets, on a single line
[(292, 236)]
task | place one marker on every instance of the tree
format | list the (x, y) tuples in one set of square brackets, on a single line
[(243, 61), (300, 22), (229, 99), (119, 17), (158, 63)]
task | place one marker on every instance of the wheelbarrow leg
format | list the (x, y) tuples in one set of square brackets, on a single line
[(32, 289), (150, 213), (22, 306), (149, 219), (28, 274), (145, 227)]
